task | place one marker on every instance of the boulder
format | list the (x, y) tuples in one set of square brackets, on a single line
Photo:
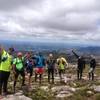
[(45, 88), (90, 92)]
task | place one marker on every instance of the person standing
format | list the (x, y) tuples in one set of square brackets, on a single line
[(29, 64), (51, 67), (92, 67), (80, 65), (18, 68), (39, 66), (62, 63), (5, 68)]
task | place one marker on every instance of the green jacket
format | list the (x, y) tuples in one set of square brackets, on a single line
[(19, 63)]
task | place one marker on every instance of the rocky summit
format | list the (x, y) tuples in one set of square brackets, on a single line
[(69, 89)]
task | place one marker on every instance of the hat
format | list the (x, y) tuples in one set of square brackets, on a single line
[(19, 54)]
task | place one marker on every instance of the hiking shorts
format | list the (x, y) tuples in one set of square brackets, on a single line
[(22, 73), (39, 70), (29, 71)]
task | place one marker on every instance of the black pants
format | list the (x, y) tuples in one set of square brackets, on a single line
[(79, 73), (51, 73), (30, 71), (61, 72), (22, 73), (4, 81)]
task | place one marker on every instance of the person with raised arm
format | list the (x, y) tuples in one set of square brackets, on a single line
[(5, 68), (80, 65)]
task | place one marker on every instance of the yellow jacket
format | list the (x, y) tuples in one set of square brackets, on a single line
[(62, 62), (6, 64)]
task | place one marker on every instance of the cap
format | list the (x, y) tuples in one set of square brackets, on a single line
[(19, 54)]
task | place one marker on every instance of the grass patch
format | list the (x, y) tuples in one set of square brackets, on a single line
[(97, 96), (40, 94)]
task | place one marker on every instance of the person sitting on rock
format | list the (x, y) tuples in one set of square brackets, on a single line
[(39, 66), (92, 67), (18, 68), (62, 63), (51, 67), (80, 65)]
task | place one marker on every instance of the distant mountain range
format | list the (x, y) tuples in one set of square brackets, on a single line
[(41, 46), (24, 45), (90, 50)]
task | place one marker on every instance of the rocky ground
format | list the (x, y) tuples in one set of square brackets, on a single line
[(71, 89)]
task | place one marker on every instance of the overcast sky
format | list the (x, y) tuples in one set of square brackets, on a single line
[(50, 20)]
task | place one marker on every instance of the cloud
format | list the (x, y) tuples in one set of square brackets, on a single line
[(12, 5), (50, 20)]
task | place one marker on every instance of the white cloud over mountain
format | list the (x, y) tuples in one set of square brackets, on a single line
[(50, 20)]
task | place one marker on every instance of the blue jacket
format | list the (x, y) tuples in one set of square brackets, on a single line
[(39, 61)]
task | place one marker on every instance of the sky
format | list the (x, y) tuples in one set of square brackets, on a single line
[(69, 21)]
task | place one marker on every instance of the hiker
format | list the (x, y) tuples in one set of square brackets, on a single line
[(18, 68), (5, 68), (92, 67), (51, 67), (11, 51), (62, 63), (39, 66), (80, 65), (29, 63)]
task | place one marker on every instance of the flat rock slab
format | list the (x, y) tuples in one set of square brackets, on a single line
[(14, 97), (97, 88), (62, 96), (63, 88)]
